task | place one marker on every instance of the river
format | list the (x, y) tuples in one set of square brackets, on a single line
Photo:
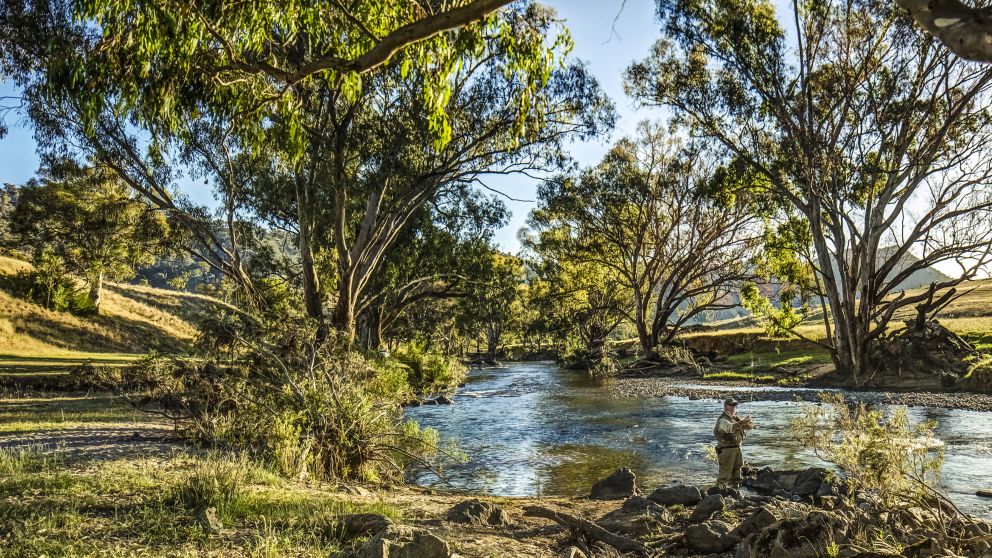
[(534, 429)]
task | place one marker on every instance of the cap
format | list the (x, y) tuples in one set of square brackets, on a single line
[(730, 401)]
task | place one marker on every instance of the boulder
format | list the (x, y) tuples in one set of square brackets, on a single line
[(403, 542), (755, 523), (984, 493), (805, 537), (574, 552), (363, 525), (444, 400), (805, 482), (809, 481), (477, 512), (677, 494), (710, 537), (619, 485), (641, 504), (706, 507), (637, 517)]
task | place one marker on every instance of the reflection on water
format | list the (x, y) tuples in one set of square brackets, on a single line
[(533, 429)]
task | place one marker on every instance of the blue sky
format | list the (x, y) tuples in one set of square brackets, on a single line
[(607, 47)]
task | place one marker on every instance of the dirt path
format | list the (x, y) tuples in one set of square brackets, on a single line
[(100, 442)]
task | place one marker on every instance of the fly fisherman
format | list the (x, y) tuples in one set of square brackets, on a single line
[(729, 432)]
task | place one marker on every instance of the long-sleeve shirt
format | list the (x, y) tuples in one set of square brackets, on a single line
[(726, 434)]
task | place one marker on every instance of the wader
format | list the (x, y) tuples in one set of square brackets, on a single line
[(729, 454)]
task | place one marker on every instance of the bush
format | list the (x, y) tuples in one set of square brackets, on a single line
[(430, 371), (878, 452), (59, 293), (332, 414)]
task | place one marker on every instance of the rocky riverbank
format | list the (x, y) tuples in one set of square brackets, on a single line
[(746, 391), (796, 514)]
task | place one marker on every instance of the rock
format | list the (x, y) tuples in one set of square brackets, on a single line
[(403, 542), (619, 485), (806, 537), (809, 481), (444, 400), (677, 494), (725, 491), (744, 547), (984, 493), (477, 512), (363, 525), (636, 517), (640, 504), (806, 482), (208, 519), (755, 523), (706, 508), (710, 537), (573, 552)]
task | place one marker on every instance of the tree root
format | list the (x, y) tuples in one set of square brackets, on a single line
[(589, 528)]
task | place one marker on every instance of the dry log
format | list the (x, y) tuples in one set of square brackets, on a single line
[(592, 530)]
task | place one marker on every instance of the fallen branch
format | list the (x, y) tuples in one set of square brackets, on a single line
[(592, 530)]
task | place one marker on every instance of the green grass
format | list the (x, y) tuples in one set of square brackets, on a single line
[(129, 508), (783, 359), (781, 380), (144, 506), (32, 412)]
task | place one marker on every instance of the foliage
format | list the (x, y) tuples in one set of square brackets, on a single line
[(491, 307), (49, 286), (652, 218), (157, 56), (86, 222), (429, 371), (876, 451), (842, 122), (324, 412)]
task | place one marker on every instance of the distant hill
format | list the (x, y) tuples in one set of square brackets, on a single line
[(918, 279), (134, 319)]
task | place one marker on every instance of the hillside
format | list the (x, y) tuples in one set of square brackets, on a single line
[(134, 320)]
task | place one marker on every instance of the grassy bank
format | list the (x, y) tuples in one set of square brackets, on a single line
[(133, 319), (85, 475)]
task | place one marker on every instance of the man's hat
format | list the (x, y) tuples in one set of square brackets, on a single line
[(730, 401)]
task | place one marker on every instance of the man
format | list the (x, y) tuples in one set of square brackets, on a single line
[(729, 432)]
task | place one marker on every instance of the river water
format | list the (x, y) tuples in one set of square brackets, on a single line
[(535, 429)]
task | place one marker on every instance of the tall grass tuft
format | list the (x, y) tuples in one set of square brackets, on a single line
[(215, 481), (29, 459)]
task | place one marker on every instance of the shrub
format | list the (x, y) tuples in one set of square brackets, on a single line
[(59, 293), (881, 452), (430, 371), (332, 413)]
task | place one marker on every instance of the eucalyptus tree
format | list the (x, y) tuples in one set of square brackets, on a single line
[(964, 29), (577, 302), (646, 214), (432, 261), (91, 221), (491, 308), (870, 132), (350, 154)]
